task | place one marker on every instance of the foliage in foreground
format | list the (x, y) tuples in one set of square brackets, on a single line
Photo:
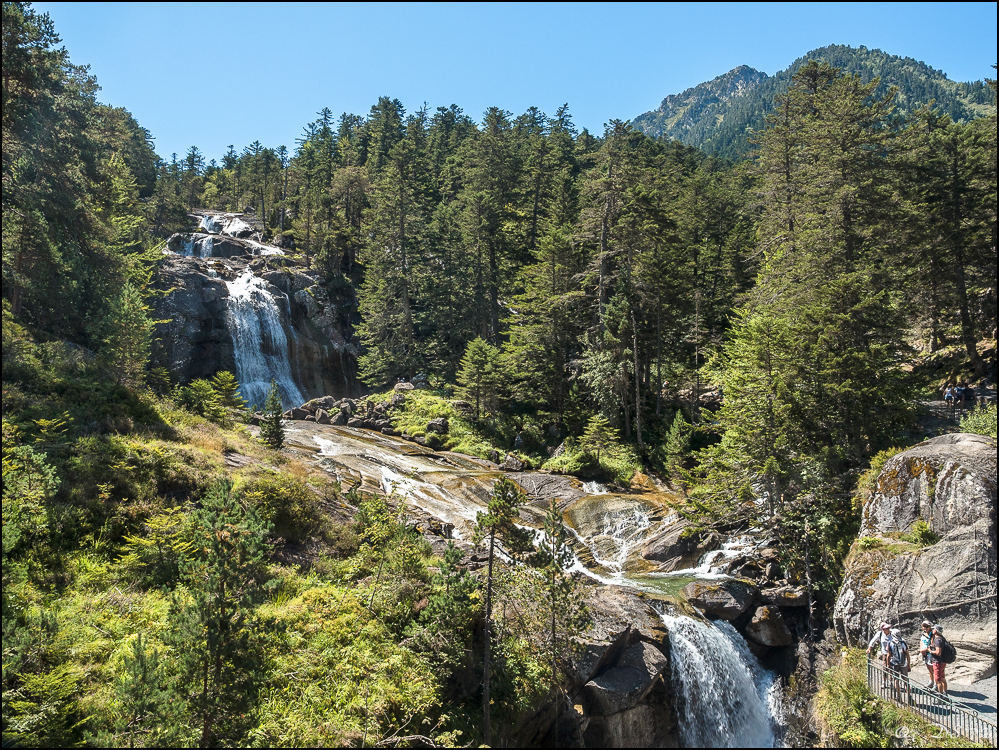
[(981, 421)]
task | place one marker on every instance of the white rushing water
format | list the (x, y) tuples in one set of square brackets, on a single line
[(223, 224), (260, 344), (197, 247), (724, 697)]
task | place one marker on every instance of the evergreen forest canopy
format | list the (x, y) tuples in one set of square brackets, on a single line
[(587, 286)]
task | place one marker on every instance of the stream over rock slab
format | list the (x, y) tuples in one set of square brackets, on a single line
[(726, 599)]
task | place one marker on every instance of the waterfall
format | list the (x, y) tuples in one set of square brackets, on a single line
[(724, 697), (260, 344), (223, 224), (197, 246)]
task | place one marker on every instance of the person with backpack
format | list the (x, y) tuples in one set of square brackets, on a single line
[(897, 664), (924, 651), (943, 654)]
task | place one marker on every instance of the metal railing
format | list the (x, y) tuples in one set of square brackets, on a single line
[(957, 718)]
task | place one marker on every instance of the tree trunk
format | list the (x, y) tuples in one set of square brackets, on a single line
[(487, 731), (638, 390)]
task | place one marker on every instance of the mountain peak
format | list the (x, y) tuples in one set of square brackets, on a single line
[(720, 114)]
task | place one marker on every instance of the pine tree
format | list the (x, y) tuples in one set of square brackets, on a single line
[(225, 385), (499, 523), (126, 334), (599, 436), (217, 642), (562, 593), (271, 426), (479, 376)]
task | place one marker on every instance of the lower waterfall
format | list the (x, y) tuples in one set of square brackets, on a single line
[(260, 343), (724, 697)]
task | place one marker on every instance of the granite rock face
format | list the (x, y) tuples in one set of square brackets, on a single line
[(768, 627), (195, 340), (949, 482)]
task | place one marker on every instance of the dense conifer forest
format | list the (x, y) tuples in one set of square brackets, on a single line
[(578, 289)]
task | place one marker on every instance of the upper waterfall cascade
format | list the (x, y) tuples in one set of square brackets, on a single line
[(261, 346), (235, 303)]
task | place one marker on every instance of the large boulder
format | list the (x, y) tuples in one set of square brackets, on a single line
[(768, 627), (618, 673), (949, 482), (725, 599), (439, 425), (674, 547)]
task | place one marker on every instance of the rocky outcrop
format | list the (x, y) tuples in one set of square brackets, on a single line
[(768, 627), (192, 340), (620, 693), (725, 599), (674, 547), (950, 483)]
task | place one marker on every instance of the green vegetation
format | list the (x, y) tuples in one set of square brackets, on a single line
[(981, 421), (849, 715), (603, 304)]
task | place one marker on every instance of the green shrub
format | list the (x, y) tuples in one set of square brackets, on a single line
[(920, 533), (981, 421), (289, 503)]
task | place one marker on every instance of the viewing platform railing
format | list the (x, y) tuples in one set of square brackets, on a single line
[(957, 718)]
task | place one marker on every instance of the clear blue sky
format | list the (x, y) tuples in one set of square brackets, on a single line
[(214, 74)]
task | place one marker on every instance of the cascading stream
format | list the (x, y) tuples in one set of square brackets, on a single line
[(260, 343), (724, 697)]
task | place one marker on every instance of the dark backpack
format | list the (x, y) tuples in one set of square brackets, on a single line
[(948, 654), (896, 652)]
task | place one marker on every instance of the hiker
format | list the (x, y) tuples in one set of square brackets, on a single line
[(968, 401), (897, 663), (949, 395), (924, 651), (880, 641), (937, 652)]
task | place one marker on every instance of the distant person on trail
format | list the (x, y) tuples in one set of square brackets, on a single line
[(880, 641), (949, 395), (924, 651), (969, 397), (897, 663), (936, 651)]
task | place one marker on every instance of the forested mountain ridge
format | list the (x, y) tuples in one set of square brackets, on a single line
[(720, 115)]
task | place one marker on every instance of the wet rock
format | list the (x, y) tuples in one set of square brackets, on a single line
[(785, 596), (726, 599), (675, 548), (512, 463), (768, 627), (438, 425), (628, 682)]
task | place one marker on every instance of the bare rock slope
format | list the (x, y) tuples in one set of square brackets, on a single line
[(950, 483)]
